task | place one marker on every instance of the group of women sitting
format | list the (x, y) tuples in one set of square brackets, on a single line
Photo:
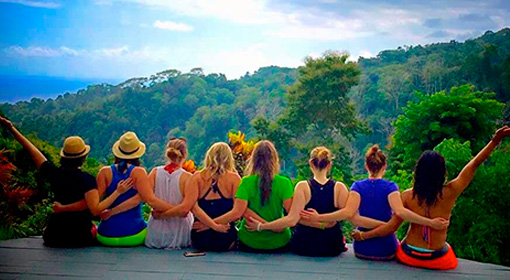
[(200, 209)]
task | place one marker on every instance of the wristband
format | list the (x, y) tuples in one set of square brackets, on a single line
[(258, 226), (361, 236), (323, 225)]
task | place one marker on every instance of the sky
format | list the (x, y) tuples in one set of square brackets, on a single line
[(121, 39)]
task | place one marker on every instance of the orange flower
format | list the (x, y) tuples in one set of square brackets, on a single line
[(189, 166)]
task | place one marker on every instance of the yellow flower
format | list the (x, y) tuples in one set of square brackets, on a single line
[(236, 138), (248, 148)]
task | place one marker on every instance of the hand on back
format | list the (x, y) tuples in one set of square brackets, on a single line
[(440, 223), (309, 214), (124, 185)]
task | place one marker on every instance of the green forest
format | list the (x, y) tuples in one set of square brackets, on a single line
[(446, 96)]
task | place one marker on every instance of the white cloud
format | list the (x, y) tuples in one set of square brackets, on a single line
[(34, 51), (236, 62), (113, 51), (175, 26), (35, 4)]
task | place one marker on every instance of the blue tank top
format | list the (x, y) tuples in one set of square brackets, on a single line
[(126, 223)]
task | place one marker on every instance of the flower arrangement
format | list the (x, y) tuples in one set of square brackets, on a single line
[(241, 149)]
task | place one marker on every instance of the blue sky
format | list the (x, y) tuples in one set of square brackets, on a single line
[(120, 39)]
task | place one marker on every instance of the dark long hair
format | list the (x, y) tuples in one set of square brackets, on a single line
[(429, 178), (122, 163), (264, 162)]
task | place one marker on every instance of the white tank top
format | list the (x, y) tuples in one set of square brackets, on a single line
[(170, 233)]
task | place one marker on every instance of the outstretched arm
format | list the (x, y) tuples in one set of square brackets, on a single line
[(465, 177), (36, 155), (398, 208)]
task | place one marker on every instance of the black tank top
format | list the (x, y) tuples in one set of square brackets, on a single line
[(310, 241), (211, 240), (215, 207)]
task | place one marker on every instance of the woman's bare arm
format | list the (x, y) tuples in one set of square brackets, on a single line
[(385, 229), (36, 155), (292, 218), (73, 207), (467, 174), (189, 201), (146, 192), (348, 212), (240, 206), (398, 208)]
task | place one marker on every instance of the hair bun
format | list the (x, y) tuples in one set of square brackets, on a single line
[(375, 159), (323, 154), (374, 149), (173, 154)]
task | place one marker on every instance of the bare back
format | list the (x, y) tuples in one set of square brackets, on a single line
[(443, 208), (227, 184)]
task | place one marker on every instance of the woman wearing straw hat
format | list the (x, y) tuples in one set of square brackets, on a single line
[(123, 226), (69, 184)]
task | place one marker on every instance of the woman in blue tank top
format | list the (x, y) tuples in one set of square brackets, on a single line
[(313, 238), (378, 199), (123, 226)]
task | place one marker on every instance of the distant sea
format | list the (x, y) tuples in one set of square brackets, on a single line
[(20, 88)]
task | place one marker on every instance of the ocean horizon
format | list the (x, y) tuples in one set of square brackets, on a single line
[(15, 88)]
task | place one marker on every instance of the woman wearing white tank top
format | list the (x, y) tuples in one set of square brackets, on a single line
[(169, 183)]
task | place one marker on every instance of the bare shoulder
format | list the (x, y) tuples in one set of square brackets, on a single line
[(105, 170), (340, 185), (186, 175), (407, 195), (233, 174), (302, 186), (153, 171), (138, 170)]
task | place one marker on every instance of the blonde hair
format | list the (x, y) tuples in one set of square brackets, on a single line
[(375, 159), (321, 157), (219, 159), (264, 162), (176, 149)]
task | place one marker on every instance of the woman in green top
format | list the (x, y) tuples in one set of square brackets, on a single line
[(262, 195)]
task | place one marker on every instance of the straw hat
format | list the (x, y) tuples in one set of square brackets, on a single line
[(128, 146), (74, 147)]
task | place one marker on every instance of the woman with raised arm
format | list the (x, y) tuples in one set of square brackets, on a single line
[(375, 198), (322, 194), (423, 246), (169, 183), (217, 185), (264, 195), (70, 224)]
